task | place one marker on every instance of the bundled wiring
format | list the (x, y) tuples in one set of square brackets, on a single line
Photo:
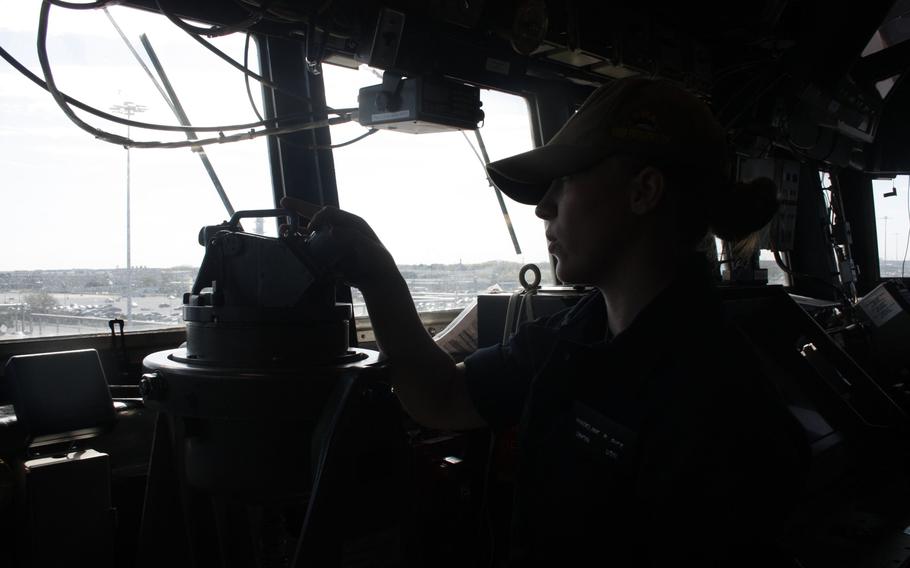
[(249, 94), (268, 126), (61, 101), (213, 31), (126, 122), (168, 128), (370, 132), (247, 74), (196, 33), (265, 12), (52, 85), (246, 77), (81, 5), (246, 71), (251, 135)]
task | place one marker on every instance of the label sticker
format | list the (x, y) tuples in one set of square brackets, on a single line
[(397, 115), (880, 306)]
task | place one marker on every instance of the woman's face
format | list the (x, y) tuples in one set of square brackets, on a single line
[(590, 220)]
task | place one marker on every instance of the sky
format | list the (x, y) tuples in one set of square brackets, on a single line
[(63, 193)]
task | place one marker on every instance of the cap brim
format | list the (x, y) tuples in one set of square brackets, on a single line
[(526, 177)]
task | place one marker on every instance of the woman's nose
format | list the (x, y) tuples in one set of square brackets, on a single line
[(546, 208)]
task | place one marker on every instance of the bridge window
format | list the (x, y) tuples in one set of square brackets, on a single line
[(428, 199), (892, 219), (63, 219)]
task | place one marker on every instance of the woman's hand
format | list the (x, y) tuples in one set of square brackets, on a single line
[(427, 381), (362, 260)]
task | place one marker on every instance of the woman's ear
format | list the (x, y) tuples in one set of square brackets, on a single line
[(647, 190)]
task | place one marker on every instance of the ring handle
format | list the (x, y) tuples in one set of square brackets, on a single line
[(236, 217), (522, 277)]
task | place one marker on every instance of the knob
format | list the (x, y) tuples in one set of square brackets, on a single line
[(152, 386)]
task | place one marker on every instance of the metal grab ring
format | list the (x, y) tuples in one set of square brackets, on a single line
[(524, 281)]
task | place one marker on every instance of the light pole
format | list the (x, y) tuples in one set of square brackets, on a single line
[(884, 254), (128, 109)]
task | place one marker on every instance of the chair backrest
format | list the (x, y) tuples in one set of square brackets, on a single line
[(60, 396)]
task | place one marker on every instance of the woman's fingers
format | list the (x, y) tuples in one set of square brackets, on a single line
[(319, 216), (305, 208), (361, 256), (308, 211), (328, 216)]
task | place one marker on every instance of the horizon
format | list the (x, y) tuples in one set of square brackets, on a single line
[(193, 267), (76, 182)]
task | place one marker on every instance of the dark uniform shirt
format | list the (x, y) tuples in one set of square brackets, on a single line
[(662, 446)]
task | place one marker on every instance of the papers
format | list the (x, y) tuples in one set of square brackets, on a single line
[(880, 306), (460, 336)]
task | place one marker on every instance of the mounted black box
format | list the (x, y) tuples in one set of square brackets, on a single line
[(419, 105)]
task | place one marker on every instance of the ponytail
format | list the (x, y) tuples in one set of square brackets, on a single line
[(738, 209)]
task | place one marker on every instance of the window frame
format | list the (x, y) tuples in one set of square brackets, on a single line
[(97, 340), (310, 174)]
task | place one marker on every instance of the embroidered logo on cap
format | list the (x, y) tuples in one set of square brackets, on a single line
[(642, 126)]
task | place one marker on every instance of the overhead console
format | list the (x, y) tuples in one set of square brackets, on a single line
[(785, 78)]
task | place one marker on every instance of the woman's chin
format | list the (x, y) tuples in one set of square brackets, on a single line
[(565, 273), (573, 275)]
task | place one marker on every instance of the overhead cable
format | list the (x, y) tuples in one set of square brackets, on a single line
[(81, 5), (213, 31), (5, 55), (126, 142)]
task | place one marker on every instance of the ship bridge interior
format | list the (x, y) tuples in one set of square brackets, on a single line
[(184, 380)]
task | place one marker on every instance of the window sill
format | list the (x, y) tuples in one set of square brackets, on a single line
[(433, 322)]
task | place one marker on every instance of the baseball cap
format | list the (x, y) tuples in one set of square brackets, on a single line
[(635, 115)]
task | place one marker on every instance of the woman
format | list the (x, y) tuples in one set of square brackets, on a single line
[(637, 444)]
